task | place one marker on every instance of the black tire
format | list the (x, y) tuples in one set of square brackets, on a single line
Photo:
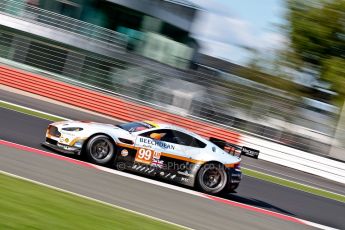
[(100, 150), (212, 178)]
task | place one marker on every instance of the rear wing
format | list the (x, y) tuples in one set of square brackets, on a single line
[(234, 149)]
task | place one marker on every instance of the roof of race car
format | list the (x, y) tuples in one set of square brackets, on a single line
[(161, 125)]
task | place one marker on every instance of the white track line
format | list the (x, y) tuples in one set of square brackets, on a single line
[(173, 187), (92, 199), (63, 118), (315, 225), (195, 193), (162, 184)]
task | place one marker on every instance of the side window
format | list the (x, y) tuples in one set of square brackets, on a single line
[(166, 135), (185, 139), (176, 137), (147, 134), (198, 144)]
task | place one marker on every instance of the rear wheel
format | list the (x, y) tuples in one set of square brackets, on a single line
[(212, 178), (100, 150)]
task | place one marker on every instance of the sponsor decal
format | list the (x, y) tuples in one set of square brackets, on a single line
[(67, 133), (157, 163), (250, 152), (146, 156), (152, 142), (167, 175), (145, 169), (185, 173), (65, 147), (124, 152), (151, 123), (64, 139), (137, 167), (184, 179)]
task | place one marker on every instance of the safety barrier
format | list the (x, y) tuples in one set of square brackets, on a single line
[(226, 101), (297, 159), (129, 111), (105, 104)]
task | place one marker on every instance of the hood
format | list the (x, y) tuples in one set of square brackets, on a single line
[(89, 128), (83, 124)]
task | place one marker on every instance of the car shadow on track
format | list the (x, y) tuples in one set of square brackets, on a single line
[(231, 196), (256, 203)]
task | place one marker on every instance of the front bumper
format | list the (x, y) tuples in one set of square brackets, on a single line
[(62, 148)]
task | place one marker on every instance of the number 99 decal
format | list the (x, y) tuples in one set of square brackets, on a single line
[(146, 155)]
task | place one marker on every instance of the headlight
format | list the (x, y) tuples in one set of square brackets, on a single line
[(70, 129)]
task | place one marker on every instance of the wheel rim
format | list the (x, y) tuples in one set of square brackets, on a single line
[(212, 178), (101, 149)]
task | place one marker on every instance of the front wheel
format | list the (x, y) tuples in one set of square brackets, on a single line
[(100, 150), (212, 178)]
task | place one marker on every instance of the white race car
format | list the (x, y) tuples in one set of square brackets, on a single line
[(160, 150)]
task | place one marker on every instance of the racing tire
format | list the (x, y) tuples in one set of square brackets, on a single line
[(100, 150), (212, 178)]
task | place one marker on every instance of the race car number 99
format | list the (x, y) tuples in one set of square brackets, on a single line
[(146, 155)]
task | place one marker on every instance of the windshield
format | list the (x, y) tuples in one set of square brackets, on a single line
[(135, 126)]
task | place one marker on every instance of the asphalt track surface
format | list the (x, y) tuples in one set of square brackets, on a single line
[(174, 206), (160, 202), (259, 165)]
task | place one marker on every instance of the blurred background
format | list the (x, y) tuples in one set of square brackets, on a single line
[(275, 70)]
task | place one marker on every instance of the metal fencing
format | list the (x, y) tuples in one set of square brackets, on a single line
[(37, 15), (221, 99)]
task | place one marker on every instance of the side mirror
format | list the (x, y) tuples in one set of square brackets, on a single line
[(155, 136)]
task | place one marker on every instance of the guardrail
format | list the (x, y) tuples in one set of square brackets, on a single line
[(214, 99), (297, 159), (130, 111)]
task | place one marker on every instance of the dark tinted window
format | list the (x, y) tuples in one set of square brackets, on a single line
[(185, 139), (135, 126), (176, 137), (166, 135)]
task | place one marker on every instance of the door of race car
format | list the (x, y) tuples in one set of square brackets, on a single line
[(157, 147)]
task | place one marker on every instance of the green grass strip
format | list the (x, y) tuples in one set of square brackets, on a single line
[(25, 205), (29, 112), (248, 172), (294, 185)]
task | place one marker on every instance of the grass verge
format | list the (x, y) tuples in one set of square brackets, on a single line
[(248, 172), (25, 205), (30, 112)]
